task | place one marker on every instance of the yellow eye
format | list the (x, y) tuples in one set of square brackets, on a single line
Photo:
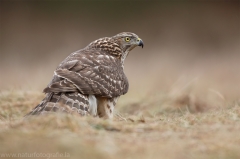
[(127, 39)]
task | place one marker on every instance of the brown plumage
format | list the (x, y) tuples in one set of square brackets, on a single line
[(90, 80)]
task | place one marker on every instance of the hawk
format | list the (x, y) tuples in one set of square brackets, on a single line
[(90, 81)]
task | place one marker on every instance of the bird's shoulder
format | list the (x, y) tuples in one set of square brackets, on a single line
[(89, 58)]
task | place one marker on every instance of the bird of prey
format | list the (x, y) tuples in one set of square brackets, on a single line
[(90, 81)]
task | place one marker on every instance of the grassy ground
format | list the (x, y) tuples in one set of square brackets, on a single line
[(135, 133)]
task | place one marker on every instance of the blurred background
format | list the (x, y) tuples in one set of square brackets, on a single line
[(191, 51)]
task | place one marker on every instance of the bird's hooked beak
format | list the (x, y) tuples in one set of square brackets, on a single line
[(140, 42)]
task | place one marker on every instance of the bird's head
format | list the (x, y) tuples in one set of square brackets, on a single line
[(119, 45), (127, 41)]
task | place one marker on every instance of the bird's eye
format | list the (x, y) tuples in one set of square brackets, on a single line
[(127, 39)]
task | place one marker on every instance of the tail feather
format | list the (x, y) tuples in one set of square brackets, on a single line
[(75, 103)]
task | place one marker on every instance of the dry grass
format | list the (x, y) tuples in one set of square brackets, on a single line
[(157, 133)]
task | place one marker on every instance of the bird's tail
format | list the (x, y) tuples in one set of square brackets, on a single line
[(63, 102)]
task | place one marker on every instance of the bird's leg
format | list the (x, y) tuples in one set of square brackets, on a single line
[(105, 107)]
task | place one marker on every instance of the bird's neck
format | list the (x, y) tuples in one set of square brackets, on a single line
[(107, 46), (123, 57)]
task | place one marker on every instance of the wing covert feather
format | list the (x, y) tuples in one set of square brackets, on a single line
[(90, 72)]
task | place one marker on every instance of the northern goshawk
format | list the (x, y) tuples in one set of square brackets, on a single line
[(90, 80)]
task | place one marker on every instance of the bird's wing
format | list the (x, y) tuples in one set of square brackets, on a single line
[(90, 72)]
